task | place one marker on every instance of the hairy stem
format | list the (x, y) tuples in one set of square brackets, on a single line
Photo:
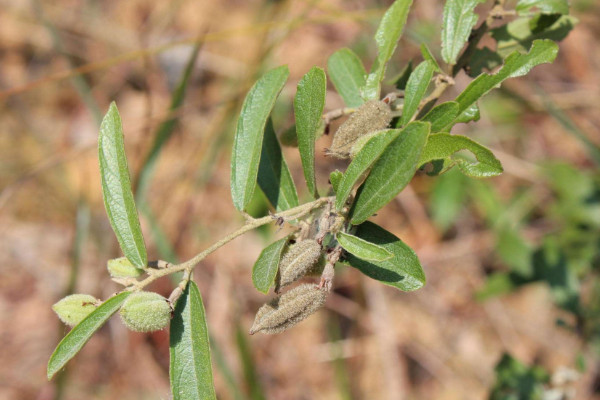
[(252, 223)]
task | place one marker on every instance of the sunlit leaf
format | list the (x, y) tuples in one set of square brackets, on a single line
[(116, 189), (458, 21), (415, 90), (266, 266), (348, 75), (247, 144), (361, 248)]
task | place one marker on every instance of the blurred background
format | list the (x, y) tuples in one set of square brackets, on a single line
[(512, 262)]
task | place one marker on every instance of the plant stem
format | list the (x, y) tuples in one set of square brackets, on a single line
[(292, 213)]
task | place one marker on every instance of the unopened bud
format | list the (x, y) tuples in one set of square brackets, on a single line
[(287, 310), (145, 312), (297, 261), (74, 308), (372, 116), (122, 268)]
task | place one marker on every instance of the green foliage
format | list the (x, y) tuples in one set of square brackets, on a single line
[(308, 108), (515, 380), (441, 116), (116, 189), (403, 271), (361, 248), (459, 19), (82, 332), (266, 266), (348, 75), (415, 90), (274, 176), (544, 6), (386, 38), (247, 144), (392, 171), (442, 146), (190, 367)]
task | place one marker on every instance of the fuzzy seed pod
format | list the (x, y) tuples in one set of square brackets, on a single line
[(122, 268), (372, 116), (287, 310), (145, 312), (74, 308), (297, 261)]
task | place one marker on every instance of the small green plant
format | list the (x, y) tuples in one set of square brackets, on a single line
[(386, 139)]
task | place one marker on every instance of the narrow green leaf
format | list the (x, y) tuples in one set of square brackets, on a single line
[(361, 248), (166, 128), (274, 177), (363, 160), (468, 115), (391, 172), (428, 56), (387, 36), (545, 6), (266, 266), (82, 332), (190, 370), (348, 75), (458, 21), (335, 177), (441, 116), (415, 90), (402, 271), (518, 35), (442, 145), (517, 64), (247, 144), (308, 110), (116, 189)]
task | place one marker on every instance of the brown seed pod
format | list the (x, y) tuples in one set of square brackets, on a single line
[(287, 310), (297, 261), (372, 116)]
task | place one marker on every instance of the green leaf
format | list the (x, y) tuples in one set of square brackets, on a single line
[(402, 271), (428, 56), (363, 160), (308, 110), (266, 266), (82, 332), (274, 177), (468, 115), (401, 79), (387, 36), (517, 64), (447, 199), (391, 172), (361, 248), (247, 144), (458, 21), (441, 116), (518, 35), (335, 177), (415, 90), (348, 75), (442, 145), (544, 6), (190, 368), (116, 189)]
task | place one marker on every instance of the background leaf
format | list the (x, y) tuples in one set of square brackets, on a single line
[(458, 21), (415, 90), (116, 189), (190, 369), (402, 271), (348, 75), (274, 177), (428, 56), (335, 177), (387, 36), (266, 266), (442, 146), (247, 144), (391, 172), (361, 248), (308, 110), (363, 160), (545, 6), (82, 332)]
